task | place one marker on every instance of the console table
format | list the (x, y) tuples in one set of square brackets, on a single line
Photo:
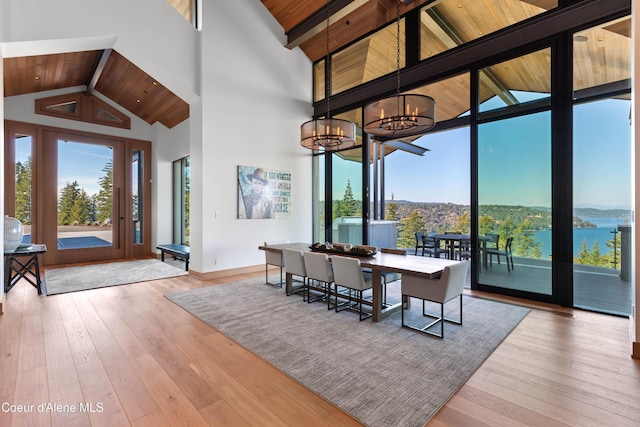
[(23, 263)]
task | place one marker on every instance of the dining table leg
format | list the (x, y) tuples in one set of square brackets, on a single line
[(288, 286), (376, 307)]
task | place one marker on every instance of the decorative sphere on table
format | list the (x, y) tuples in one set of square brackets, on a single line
[(12, 233)]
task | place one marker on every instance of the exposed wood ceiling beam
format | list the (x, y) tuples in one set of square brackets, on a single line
[(97, 71), (437, 23), (316, 23), (407, 146)]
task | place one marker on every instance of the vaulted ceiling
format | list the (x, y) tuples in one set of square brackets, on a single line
[(105, 71), (601, 54), (304, 23)]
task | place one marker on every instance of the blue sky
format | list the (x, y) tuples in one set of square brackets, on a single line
[(77, 162), (515, 162)]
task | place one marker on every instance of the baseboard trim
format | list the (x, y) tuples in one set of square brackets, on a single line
[(212, 275), (2, 301)]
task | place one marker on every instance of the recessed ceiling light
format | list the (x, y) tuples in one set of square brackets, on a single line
[(579, 38)]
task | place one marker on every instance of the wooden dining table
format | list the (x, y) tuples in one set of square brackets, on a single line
[(429, 268)]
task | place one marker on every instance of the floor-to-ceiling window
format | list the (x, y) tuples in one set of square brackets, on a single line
[(519, 133), (602, 169)]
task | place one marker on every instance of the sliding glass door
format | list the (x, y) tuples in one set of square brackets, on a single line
[(514, 213)]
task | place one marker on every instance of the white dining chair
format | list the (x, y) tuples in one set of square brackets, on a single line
[(449, 286), (348, 273), (275, 259), (319, 270), (294, 265)]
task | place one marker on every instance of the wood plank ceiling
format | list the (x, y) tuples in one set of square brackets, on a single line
[(446, 24), (119, 80)]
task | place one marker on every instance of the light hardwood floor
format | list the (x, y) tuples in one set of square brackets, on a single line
[(140, 360)]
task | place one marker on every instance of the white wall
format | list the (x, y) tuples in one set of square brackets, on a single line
[(255, 95)]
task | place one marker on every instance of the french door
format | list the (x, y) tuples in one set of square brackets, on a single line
[(87, 195)]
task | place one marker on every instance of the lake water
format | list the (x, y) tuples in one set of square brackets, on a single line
[(601, 233)]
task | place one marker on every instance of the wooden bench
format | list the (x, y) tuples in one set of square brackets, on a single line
[(177, 251)]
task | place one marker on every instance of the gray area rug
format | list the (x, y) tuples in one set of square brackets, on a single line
[(72, 279), (380, 373)]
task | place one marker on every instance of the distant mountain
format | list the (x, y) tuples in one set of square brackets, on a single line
[(602, 213), (443, 216)]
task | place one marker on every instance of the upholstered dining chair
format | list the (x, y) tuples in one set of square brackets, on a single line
[(449, 286), (294, 265), (348, 273), (273, 258), (319, 269)]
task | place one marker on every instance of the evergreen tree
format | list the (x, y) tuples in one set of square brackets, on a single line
[(187, 207), (507, 229), (104, 198), (596, 256), (409, 226), (584, 256), (391, 213), (612, 258), (463, 224), (67, 203), (485, 225), (23, 191), (525, 243), (349, 204), (81, 208)]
